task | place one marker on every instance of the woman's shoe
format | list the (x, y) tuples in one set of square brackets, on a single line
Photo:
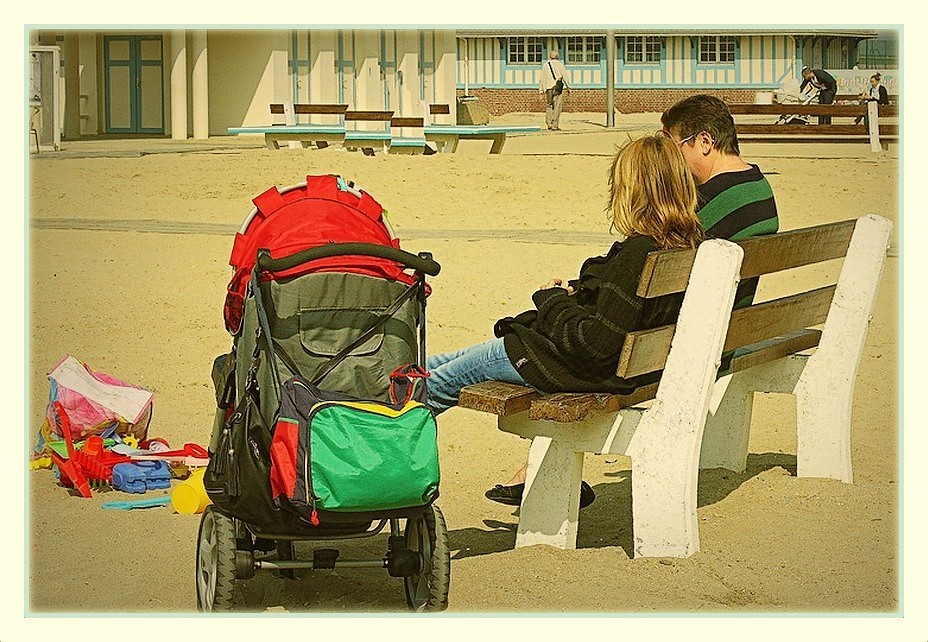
[(512, 495), (509, 495)]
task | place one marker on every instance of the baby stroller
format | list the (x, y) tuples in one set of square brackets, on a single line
[(788, 94), (321, 431)]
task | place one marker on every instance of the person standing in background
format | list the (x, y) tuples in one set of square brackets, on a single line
[(552, 83)]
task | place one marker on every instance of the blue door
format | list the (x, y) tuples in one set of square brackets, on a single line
[(134, 84)]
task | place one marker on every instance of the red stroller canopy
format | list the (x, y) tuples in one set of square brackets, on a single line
[(326, 209)]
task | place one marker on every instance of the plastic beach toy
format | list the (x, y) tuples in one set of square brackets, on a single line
[(189, 497), (138, 503)]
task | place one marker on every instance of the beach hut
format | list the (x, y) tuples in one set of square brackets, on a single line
[(652, 68)]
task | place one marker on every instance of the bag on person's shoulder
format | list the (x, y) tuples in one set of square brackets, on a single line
[(559, 86)]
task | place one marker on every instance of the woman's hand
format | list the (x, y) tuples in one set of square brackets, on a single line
[(557, 283)]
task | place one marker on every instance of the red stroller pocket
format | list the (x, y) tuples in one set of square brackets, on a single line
[(283, 458)]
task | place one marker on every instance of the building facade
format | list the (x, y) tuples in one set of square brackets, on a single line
[(182, 83), (652, 69)]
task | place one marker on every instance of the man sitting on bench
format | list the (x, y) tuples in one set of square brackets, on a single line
[(568, 341), (735, 203), (735, 200)]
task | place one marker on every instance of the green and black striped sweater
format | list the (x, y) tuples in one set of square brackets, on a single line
[(571, 342), (736, 206)]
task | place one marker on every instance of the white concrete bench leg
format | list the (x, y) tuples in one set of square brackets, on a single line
[(665, 448), (551, 500), (825, 391), (728, 426)]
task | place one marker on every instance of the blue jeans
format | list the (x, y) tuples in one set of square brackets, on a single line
[(452, 371)]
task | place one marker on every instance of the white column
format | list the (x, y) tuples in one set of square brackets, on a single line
[(72, 86), (200, 84), (179, 84)]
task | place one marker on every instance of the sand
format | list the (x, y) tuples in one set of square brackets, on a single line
[(128, 246)]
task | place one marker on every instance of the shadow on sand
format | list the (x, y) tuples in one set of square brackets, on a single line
[(608, 520)]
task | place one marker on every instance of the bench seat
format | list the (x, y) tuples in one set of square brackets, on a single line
[(274, 135), (446, 137)]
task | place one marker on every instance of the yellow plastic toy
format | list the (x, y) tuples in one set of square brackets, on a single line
[(40, 463)]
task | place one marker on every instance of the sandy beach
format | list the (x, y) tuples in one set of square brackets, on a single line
[(128, 245)]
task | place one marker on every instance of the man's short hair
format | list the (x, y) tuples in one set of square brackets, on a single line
[(552, 53), (704, 113)]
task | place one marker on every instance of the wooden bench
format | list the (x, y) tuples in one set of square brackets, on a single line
[(697, 416), (359, 134), (300, 134), (445, 133), (440, 114), (446, 137), (876, 132), (407, 135)]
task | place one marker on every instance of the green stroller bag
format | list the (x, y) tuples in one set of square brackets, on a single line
[(333, 452)]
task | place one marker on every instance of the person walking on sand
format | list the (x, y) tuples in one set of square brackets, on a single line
[(552, 82), (735, 202)]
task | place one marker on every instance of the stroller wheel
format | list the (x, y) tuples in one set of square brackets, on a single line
[(427, 590), (215, 561)]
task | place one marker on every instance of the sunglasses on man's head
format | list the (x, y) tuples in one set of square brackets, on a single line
[(666, 133)]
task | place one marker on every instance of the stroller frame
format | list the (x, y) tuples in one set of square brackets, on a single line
[(796, 119), (230, 549)]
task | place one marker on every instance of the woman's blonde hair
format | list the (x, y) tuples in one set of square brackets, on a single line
[(652, 193)]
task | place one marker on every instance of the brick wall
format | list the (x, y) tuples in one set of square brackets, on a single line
[(627, 101)]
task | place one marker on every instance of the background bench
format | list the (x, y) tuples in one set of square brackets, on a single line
[(696, 416), (849, 98), (367, 130), (407, 135), (876, 131), (301, 134), (445, 133), (347, 127)]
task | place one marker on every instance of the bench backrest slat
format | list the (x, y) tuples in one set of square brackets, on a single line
[(847, 129), (886, 129), (813, 109), (646, 350), (402, 121), (668, 271), (310, 108), (775, 349), (779, 317), (440, 108), (363, 115)]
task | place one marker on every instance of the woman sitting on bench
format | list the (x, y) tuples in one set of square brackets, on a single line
[(569, 342)]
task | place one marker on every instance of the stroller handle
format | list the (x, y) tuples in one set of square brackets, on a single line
[(421, 263)]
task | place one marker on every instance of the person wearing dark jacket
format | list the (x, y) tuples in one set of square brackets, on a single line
[(734, 202), (827, 88), (877, 93), (570, 340)]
